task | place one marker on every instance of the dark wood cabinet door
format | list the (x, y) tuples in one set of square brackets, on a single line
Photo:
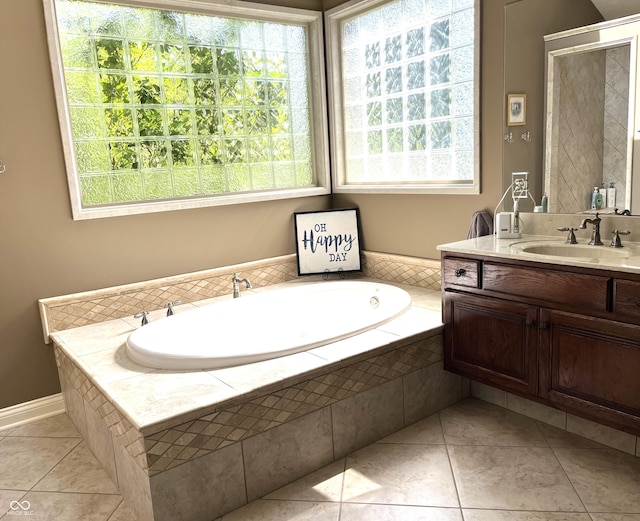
[(492, 341), (591, 367)]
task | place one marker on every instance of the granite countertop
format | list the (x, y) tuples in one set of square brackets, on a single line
[(626, 259), (152, 398)]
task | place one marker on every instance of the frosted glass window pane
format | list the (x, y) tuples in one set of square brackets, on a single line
[(393, 80), (438, 8), (415, 75), (394, 110), (439, 69), (415, 42), (168, 104), (127, 187), (462, 99), (439, 35), (96, 189), (462, 64), (374, 113), (372, 56), (393, 49), (414, 81), (441, 134), (462, 28)]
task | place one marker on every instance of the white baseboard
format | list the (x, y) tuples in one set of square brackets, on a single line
[(27, 412)]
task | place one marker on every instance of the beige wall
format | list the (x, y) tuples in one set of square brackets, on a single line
[(45, 253)]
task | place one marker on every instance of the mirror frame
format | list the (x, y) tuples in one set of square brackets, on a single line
[(550, 137)]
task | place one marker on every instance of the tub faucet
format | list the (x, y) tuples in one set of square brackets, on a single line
[(236, 285), (595, 235), (170, 305)]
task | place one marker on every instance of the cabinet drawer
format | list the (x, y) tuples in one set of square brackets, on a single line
[(584, 292), (461, 272), (626, 301)]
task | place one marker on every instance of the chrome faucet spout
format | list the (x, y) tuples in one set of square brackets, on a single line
[(236, 285), (595, 235)]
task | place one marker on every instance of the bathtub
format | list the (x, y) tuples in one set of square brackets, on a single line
[(265, 325)]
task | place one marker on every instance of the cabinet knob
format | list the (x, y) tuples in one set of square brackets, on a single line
[(543, 325), (460, 272), (530, 322)]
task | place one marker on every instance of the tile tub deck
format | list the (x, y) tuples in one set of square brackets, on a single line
[(242, 432)]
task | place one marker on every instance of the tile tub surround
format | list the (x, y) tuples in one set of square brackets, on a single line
[(92, 307), (156, 433)]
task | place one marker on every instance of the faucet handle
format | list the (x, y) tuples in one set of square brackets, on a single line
[(615, 240), (143, 316), (170, 305), (571, 238)]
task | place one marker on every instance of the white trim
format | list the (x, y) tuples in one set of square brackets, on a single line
[(28, 412), (334, 21)]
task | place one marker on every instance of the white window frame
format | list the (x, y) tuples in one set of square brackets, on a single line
[(334, 20), (230, 8)]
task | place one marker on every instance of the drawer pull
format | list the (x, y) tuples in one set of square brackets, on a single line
[(460, 272), (638, 303), (543, 325), (530, 322)]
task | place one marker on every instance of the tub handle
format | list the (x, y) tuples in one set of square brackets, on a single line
[(170, 305), (143, 315)]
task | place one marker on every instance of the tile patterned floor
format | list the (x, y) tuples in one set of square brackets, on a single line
[(471, 462)]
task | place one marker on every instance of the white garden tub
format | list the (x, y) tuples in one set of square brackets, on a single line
[(265, 325)]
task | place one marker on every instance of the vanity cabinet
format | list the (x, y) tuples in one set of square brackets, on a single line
[(568, 337), (492, 340), (592, 365)]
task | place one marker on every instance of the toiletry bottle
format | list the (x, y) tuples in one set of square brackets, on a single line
[(545, 203), (594, 195), (611, 195), (599, 200)]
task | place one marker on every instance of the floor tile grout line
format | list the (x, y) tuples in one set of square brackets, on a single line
[(453, 475), (553, 451), (344, 471), (116, 509), (80, 440)]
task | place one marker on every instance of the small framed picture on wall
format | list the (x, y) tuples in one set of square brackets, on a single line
[(516, 109)]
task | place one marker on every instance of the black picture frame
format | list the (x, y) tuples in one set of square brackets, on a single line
[(328, 241)]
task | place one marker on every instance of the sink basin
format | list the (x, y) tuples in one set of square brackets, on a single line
[(574, 251)]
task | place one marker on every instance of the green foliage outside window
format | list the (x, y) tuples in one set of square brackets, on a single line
[(166, 104)]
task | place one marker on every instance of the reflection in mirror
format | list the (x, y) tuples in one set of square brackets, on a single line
[(588, 142), (526, 24)]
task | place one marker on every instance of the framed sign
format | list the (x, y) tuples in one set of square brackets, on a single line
[(328, 241), (516, 109)]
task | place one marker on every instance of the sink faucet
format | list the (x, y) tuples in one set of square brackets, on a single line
[(236, 285), (595, 236)]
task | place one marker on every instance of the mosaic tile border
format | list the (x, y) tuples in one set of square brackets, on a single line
[(174, 446), (122, 431), (422, 273), (91, 307)]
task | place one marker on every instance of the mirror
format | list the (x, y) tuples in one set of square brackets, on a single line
[(588, 143), (526, 24)]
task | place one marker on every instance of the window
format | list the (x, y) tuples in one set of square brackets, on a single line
[(183, 107), (403, 79)]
